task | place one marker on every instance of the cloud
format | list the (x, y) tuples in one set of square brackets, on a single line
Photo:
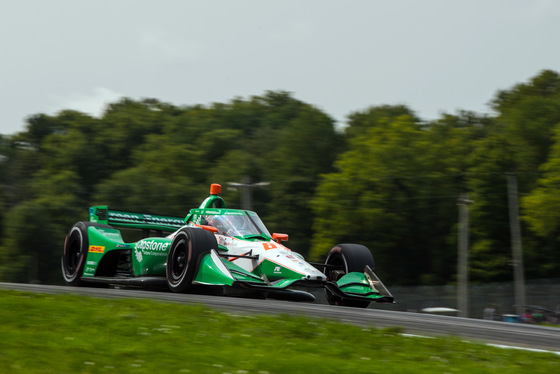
[(93, 102), (162, 46)]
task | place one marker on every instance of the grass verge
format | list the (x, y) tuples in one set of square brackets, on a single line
[(41, 333)]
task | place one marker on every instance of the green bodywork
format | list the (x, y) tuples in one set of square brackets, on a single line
[(101, 241), (210, 272), (102, 214), (275, 272), (357, 284)]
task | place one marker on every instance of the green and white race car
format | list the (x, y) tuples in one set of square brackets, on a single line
[(213, 250)]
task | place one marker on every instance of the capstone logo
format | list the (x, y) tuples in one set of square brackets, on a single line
[(138, 255), (152, 245)]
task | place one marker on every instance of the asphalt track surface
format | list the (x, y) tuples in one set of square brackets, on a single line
[(502, 333)]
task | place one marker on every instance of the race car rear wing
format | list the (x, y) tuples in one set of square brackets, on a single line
[(140, 221)]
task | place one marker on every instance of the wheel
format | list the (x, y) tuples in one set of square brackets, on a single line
[(347, 258), (182, 259), (75, 252)]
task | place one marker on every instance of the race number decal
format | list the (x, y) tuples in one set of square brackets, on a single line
[(268, 246)]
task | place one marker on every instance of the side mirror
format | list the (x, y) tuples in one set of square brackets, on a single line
[(280, 237), (212, 229)]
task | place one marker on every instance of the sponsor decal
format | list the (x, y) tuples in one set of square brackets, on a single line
[(293, 259), (131, 217), (213, 212), (228, 213), (152, 245), (284, 267), (277, 270), (123, 245), (124, 216), (91, 263), (96, 248), (152, 219)]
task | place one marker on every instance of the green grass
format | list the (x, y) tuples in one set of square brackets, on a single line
[(42, 333)]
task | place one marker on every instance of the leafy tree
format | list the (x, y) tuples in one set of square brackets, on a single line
[(449, 144), (36, 229), (542, 212), (395, 190), (306, 147), (527, 115), (125, 125), (40, 126), (370, 200), (519, 142), (360, 122), (490, 252), (140, 190)]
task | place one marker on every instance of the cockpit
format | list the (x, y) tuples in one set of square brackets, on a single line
[(234, 223)]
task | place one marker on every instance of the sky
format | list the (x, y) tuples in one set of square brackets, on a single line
[(435, 56)]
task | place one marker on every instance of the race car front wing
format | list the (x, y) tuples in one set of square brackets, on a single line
[(366, 286)]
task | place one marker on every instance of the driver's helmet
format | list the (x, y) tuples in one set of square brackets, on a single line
[(218, 222)]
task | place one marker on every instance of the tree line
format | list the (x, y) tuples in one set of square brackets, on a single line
[(388, 180)]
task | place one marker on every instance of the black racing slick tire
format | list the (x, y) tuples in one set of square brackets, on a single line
[(182, 260), (344, 259), (75, 252)]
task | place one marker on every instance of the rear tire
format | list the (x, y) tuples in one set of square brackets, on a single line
[(347, 258), (182, 260), (75, 252)]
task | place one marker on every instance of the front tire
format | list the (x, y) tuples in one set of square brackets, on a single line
[(182, 260), (75, 252), (347, 258)]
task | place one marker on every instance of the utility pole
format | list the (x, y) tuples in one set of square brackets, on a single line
[(516, 245), (246, 188), (462, 256)]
